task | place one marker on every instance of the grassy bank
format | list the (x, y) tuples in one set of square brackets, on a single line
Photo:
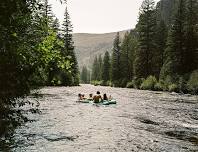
[(185, 84)]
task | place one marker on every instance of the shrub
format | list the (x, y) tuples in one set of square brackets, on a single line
[(96, 82), (105, 83), (182, 84), (116, 83), (109, 83), (173, 88), (123, 83), (159, 86), (137, 82), (149, 83), (168, 81), (192, 84), (129, 85)]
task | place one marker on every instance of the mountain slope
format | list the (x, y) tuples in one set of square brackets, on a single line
[(87, 46)]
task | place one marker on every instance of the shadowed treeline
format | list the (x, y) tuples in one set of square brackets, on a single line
[(34, 52)]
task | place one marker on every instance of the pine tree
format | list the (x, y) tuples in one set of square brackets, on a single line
[(94, 69), (115, 71), (100, 66), (47, 13), (56, 25), (126, 60), (160, 40), (146, 46), (106, 67), (174, 52), (69, 47), (88, 76), (191, 37), (84, 75)]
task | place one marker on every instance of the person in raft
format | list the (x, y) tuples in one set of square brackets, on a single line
[(90, 97), (79, 96), (110, 97), (97, 98), (105, 97)]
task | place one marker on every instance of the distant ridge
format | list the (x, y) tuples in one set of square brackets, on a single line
[(88, 45)]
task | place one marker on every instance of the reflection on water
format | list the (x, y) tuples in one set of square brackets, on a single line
[(141, 121)]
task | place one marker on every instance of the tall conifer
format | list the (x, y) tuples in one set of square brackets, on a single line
[(84, 75), (191, 37), (126, 60), (146, 45), (69, 46), (160, 41), (100, 66), (106, 67), (115, 71), (94, 69), (175, 52)]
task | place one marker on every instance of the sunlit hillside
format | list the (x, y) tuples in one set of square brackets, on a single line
[(87, 46)]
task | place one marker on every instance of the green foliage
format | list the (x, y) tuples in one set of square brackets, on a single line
[(106, 67), (182, 84), (94, 69), (173, 88), (116, 67), (192, 83), (191, 37), (176, 84), (180, 54), (168, 53), (144, 55), (47, 13), (159, 86), (167, 82), (68, 49), (31, 54), (127, 57), (106, 83), (137, 82), (116, 83), (97, 69), (100, 66), (52, 61), (149, 83), (160, 42), (109, 83), (129, 85), (84, 75), (96, 83), (123, 83)]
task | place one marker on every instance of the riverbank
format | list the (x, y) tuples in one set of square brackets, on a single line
[(151, 83)]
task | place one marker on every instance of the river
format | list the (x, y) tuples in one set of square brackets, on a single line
[(140, 121)]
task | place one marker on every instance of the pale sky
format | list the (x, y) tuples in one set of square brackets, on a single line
[(99, 16)]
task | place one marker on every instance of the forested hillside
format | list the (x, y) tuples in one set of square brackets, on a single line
[(161, 53)]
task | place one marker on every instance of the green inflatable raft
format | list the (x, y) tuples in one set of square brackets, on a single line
[(104, 102)]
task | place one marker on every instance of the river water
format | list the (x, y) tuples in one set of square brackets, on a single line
[(140, 121)]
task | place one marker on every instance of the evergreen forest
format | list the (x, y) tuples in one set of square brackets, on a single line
[(157, 55)]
